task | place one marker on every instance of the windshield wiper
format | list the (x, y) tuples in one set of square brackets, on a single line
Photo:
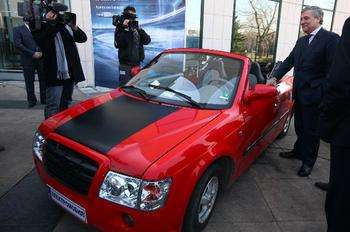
[(188, 98), (137, 90)]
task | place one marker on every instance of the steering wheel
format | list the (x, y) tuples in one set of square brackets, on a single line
[(226, 84)]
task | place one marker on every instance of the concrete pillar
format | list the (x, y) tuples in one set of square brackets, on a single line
[(83, 11), (217, 24)]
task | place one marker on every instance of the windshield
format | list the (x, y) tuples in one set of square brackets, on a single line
[(190, 79)]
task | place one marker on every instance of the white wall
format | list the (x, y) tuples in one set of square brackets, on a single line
[(82, 9), (217, 24)]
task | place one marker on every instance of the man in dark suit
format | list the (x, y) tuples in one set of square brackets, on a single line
[(311, 58), (335, 129), (31, 61)]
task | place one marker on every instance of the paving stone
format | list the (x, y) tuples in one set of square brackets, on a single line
[(303, 226), (271, 166), (26, 207), (243, 227), (243, 202), (69, 223), (296, 200)]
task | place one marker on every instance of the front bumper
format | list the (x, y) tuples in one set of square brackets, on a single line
[(106, 215)]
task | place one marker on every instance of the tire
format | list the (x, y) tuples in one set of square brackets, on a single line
[(197, 216), (286, 126)]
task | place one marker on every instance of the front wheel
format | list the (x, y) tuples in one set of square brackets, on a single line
[(203, 200)]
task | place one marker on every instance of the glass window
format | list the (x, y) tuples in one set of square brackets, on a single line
[(327, 7), (9, 55), (190, 79), (193, 23), (324, 4), (255, 29)]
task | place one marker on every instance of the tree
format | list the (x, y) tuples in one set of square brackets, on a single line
[(239, 39), (262, 19)]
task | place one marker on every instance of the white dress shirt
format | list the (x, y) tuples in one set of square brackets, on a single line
[(314, 33)]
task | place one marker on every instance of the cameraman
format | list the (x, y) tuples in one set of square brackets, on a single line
[(129, 38), (62, 65)]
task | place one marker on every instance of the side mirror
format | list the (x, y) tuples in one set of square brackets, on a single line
[(260, 92)]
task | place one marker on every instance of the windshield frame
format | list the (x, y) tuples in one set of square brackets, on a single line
[(205, 106)]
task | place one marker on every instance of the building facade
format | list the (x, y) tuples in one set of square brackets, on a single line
[(264, 30)]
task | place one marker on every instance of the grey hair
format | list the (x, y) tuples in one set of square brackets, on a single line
[(316, 12)]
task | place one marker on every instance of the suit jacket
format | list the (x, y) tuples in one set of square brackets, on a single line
[(46, 40), (311, 64), (335, 107), (24, 41)]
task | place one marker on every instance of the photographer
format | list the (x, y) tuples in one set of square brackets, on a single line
[(129, 38), (62, 67)]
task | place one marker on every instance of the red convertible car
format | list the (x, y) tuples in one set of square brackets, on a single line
[(154, 154)]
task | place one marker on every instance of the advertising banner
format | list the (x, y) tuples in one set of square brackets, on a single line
[(163, 20)]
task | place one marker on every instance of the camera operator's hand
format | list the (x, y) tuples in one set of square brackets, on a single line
[(272, 81), (37, 55), (51, 16), (74, 27), (126, 22)]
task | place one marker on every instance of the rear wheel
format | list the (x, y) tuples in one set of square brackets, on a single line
[(286, 126), (203, 200)]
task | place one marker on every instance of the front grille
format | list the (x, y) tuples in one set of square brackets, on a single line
[(69, 167)]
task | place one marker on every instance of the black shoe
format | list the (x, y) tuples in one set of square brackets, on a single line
[(2, 148), (289, 155), (31, 104), (304, 171), (322, 185)]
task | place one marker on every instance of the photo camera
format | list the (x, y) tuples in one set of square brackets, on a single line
[(34, 12)]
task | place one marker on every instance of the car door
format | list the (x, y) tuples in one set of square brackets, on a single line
[(259, 114)]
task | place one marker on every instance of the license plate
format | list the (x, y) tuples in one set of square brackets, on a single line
[(67, 204)]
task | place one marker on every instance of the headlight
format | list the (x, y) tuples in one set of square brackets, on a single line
[(133, 192), (120, 189), (38, 145)]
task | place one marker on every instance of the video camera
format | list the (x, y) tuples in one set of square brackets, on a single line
[(118, 20), (34, 12)]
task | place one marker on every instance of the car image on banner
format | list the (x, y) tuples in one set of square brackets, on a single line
[(155, 154), (163, 20)]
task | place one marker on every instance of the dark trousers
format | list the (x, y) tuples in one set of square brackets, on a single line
[(58, 98), (124, 74), (306, 127), (338, 195), (29, 78)]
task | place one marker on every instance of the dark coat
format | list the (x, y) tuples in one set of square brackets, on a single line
[(335, 107), (46, 40), (24, 41), (311, 64), (123, 40)]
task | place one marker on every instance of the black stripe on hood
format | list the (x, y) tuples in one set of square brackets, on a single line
[(105, 126)]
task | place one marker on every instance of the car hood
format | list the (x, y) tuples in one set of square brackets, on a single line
[(131, 132)]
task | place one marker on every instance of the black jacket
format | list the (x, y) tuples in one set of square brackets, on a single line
[(311, 64), (123, 40), (24, 41), (46, 40), (335, 107)]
